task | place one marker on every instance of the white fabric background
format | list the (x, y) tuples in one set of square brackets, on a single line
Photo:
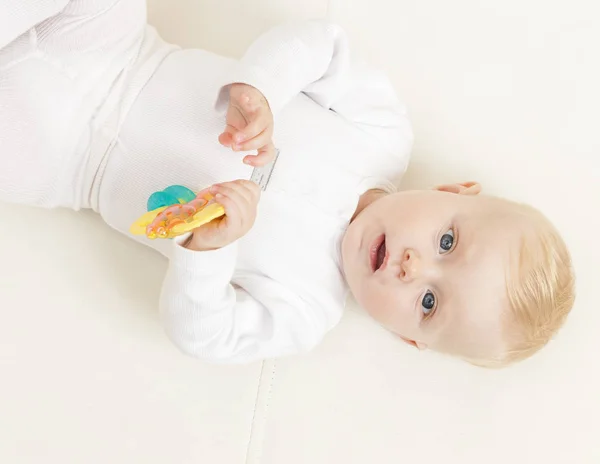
[(501, 92)]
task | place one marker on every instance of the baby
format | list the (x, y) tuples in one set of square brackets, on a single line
[(474, 276), (97, 111)]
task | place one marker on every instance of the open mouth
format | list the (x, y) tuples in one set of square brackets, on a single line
[(378, 254)]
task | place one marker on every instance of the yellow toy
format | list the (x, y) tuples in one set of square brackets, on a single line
[(176, 211)]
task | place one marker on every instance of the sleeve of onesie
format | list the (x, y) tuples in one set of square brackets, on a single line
[(207, 317), (18, 16), (313, 57)]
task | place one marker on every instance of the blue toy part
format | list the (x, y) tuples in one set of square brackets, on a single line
[(183, 194), (161, 199), (173, 195)]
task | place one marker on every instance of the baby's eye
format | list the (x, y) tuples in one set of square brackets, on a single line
[(428, 303), (446, 242)]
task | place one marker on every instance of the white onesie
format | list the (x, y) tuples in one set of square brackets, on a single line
[(96, 111)]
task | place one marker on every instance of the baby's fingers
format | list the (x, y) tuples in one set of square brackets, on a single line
[(243, 192), (233, 210), (257, 142), (233, 203), (226, 139), (265, 155), (258, 123), (239, 198)]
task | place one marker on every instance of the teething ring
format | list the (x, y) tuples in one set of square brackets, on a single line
[(178, 218)]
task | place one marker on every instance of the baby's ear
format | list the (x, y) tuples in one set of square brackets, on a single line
[(463, 188), (418, 345)]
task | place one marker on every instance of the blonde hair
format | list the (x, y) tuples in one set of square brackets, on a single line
[(540, 288)]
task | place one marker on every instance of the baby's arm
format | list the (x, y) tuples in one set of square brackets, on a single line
[(313, 57), (209, 318), (288, 58)]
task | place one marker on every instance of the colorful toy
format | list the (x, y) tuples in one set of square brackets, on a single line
[(175, 211)]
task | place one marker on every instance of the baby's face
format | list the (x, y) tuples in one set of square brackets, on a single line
[(431, 266)]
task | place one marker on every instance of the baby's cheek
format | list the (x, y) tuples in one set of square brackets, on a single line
[(399, 314), (380, 307)]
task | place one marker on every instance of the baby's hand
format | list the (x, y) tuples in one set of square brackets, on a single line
[(249, 124), (240, 200)]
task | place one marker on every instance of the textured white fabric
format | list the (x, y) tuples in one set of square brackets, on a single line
[(59, 82), (122, 114), (17, 16)]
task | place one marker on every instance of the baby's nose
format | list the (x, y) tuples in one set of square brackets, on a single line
[(410, 266)]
